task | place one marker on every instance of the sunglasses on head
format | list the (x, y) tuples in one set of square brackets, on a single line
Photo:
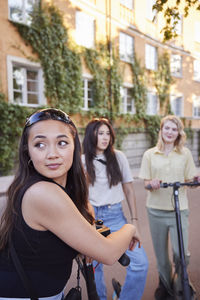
[(48, 114)]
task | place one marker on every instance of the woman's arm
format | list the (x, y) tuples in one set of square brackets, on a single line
[(46, 206), (131, 201)]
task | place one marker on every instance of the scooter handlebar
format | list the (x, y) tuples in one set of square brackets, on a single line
[(177, 184), (124, 260)]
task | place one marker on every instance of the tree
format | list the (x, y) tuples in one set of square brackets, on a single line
[(172, 14)]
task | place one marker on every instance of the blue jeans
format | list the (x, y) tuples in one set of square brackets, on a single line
[(136, 272)]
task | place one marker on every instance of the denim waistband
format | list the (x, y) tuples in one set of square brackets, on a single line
[(55, 297), (107, 206)]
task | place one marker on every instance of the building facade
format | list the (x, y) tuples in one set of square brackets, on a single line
[(133, 29)]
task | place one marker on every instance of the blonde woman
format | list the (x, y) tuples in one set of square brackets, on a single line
[(169, 161)]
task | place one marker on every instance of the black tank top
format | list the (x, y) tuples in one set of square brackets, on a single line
[(47, 260)]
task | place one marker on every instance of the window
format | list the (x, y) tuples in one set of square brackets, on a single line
[(127, 101), (25, 82), (126, 47), (151, 14), (150, 57), (196, 65), (178, 25), (84, 30), (176, 65), (87, 93), (196, 107), (127, 3), (177, 105), (197, 32), (152, 103), (20, 10)]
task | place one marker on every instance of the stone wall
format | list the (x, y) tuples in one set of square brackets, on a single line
[(135, 144), (194, 145)]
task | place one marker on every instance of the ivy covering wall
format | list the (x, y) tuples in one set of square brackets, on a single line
[(107, 80), (11, 123), (61, 64)]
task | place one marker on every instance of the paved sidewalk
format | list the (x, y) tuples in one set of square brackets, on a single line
[(5, 181)]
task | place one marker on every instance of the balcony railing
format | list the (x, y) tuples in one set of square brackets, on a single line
[(126, 14)]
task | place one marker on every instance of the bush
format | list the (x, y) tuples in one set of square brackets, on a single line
[(11, 124)]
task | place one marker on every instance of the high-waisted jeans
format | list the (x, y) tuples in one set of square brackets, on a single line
[(136, 272)]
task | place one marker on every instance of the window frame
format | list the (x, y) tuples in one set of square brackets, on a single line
[(197, 77), (126, 4), (178, 29), (197, 100), (197, 32), (124, 55), (175, 97), (28, 65), (25, 12), (149, 63), (150, 14), (80, 38), (176, 73), (124, 96), (149, 110), (86, 78)]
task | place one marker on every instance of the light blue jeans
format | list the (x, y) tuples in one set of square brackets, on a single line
[(136, 272)]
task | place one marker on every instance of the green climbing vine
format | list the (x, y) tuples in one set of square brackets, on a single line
[(95, 63), (153, 127), (139, 93), (61, 65), (106, 80), (139, 90), (163, 81), (11, 123)]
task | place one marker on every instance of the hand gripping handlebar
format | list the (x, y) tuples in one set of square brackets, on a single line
[(124, 260), (174, 184)]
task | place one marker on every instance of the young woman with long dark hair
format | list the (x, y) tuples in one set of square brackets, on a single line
[(46, 218), (110, 181)]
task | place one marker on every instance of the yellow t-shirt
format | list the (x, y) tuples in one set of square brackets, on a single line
[(175, 167)]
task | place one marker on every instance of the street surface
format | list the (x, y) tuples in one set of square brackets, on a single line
[(118, 271)]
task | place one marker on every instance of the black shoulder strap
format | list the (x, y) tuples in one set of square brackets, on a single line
[(101, 161), (21, 272)]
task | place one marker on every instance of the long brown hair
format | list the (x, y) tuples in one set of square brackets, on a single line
[(76, 182), (180, 140), (89, 149)]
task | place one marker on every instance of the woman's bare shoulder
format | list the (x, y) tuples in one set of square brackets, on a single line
[(44, 193)]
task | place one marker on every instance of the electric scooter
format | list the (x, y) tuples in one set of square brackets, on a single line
[(188, 290)]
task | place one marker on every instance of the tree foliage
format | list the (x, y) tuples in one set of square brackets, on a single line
[(172, 14)]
